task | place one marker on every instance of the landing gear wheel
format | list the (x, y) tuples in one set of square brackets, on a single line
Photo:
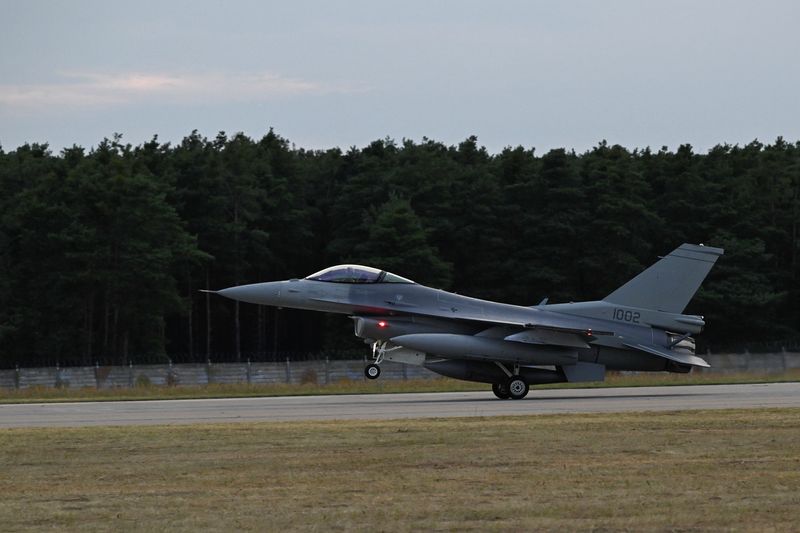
[(372, 371), (517, 387), (501, 391)]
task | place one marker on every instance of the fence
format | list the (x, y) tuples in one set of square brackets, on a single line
[(320, 372), (727, 363)]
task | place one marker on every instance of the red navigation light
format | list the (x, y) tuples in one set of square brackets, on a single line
[(383, 324), (589, 332)]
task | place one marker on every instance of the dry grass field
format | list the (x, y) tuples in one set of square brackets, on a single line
[(689, 471), (152, 392)]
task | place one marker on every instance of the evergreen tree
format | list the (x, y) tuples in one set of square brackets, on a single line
[(396, 241), (102, 251)]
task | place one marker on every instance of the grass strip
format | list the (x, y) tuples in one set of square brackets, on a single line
[(698, 470)]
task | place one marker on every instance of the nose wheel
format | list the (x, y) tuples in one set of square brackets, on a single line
[(379, 348), (372, 371)]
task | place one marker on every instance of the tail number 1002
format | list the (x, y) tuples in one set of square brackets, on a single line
[(627, 316)]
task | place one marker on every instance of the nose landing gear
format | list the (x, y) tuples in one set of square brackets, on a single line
[(372, 370)]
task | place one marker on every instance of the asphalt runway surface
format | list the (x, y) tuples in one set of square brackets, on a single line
[(398, 406)]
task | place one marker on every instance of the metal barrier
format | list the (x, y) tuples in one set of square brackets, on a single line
[(322, 372)]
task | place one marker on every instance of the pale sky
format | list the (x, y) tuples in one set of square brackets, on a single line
[(324, 74)]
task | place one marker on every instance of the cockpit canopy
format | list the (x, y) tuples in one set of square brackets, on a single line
[(356, 274)]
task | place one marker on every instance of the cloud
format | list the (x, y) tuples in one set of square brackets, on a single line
[(107, 89)]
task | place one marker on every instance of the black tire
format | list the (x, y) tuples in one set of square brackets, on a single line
[(372, 371), (517, 387), (501, 391)]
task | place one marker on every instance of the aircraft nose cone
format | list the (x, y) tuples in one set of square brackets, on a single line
[(256, 293)]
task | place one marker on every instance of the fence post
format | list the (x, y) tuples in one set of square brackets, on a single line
[(16, 378), (97, 375), (327, 370), (208, 370), (249, 372), (288, 371), (130, 373)]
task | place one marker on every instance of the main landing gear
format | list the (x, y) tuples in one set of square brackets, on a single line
[(501, 391), (515, 387)]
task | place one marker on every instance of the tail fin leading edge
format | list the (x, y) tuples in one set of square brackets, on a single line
[(671, 282)]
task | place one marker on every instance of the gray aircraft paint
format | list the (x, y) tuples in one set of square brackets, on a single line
[(640, 326)]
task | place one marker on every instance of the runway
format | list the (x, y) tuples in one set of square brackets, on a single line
[(398, 406)]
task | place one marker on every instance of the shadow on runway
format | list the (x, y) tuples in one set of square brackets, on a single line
[(532, 397)]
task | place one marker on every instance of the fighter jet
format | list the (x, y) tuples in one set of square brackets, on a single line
[(638, 327)]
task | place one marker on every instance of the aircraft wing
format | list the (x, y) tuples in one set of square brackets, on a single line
[(535, 326), (683, 358), (544, 334), (552, 337)]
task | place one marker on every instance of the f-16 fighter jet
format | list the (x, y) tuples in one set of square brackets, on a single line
[(640, 326)]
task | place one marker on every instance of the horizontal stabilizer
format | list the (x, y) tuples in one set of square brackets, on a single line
[(671, 282), (682, 358)]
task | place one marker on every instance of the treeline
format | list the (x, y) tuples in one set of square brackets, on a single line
[(103, 252)]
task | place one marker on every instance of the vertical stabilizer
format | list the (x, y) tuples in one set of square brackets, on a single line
[(671, 282)]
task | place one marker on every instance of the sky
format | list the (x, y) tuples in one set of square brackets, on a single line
[(323, 74)]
